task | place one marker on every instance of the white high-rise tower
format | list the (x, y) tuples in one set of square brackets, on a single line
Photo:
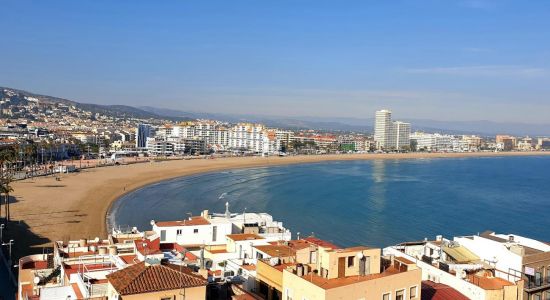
[(382, 128), (390, 135)]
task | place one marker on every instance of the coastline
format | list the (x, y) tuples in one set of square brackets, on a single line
[(82, 200)]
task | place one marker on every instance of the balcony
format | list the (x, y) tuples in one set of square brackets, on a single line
[(533, 285)]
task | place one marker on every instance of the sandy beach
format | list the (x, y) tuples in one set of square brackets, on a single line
[(44, 209)]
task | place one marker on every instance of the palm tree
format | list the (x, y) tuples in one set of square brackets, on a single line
[(6, 189), (6, 157)]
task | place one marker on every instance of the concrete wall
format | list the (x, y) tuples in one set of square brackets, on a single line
[(189, 237), (269, 275), (329, 261), (490, 250), (434, 274), (299, 288)]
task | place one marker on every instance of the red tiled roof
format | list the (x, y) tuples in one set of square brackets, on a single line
[(193, 221), (321, 243), (141, 279), (439, 291), (147, 247)]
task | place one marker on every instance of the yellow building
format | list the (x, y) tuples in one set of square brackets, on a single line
[(327, 272)]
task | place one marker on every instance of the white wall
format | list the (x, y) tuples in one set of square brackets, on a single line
[(436, 275), (491, 250), (189, 237)]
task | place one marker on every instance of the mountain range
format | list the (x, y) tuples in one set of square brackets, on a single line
[(481, 127)]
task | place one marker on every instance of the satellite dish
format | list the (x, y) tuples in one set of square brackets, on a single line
[(36, 280), (359, 255), (152, 222)]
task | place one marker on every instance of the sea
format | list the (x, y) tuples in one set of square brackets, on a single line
[(368, 202)]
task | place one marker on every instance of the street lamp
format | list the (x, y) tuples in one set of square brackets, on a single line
[(8, 244)]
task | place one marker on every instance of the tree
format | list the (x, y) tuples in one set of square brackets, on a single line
[(6, 189), (6, 158)]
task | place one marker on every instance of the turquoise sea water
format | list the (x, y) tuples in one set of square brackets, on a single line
[(377, 203)]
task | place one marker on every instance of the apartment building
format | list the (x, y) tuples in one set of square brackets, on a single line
[(194, 231), (390, 135), (450, 262), (314, 269), (514, 258), (433, 141), (143, 132), (506, 142)]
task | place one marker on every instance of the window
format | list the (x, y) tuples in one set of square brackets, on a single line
[(163, 235), (351, 260), (313, 257), (195, 230), (412, 292), (386, 296), (178, 232), (547, 295), (166, 298), (214, 233), (400, 295), (537, 297)]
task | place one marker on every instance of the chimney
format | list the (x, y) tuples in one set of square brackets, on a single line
[(205, 214)]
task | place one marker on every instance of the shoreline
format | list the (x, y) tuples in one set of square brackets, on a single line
[(45, 210)]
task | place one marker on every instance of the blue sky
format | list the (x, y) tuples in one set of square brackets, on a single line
[(442, 60)]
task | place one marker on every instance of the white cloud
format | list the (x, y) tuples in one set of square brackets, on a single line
[(486, 71)]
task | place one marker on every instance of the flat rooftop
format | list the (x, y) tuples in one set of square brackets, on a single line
[(339, 282), (244, 237), (488, 283)]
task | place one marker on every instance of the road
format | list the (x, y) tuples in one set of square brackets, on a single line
[(7, 290)]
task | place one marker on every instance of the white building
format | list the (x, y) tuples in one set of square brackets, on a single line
[(382, 128), (400, 135), (390, 135), (434, 141), (248, 137), (194, 231)]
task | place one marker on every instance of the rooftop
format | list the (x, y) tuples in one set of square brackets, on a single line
[(244, 237), (276, 250), (488, 283), (321, 243), (439, 291), (141, 278), (192, 221), (343, 281)]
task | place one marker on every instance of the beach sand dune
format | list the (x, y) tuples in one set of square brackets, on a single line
[(45, 209)]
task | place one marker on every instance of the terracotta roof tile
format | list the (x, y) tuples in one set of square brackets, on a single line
[(193, 221), (439, 291), (139, 279), (321, 243)]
